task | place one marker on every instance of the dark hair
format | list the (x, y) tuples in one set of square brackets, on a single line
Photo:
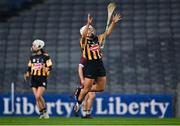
[(42, 51)]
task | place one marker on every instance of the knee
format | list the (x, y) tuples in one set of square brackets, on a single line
[(38, 97), (101, 84), (86, 88), (92, 96)]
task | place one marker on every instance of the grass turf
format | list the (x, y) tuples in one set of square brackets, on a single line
[(95, 121)]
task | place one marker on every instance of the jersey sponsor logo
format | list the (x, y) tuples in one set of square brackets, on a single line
[(94, 47), (37, 66)]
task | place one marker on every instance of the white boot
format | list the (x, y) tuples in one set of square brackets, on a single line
[(41, 116), (46, 115), (77, 107)]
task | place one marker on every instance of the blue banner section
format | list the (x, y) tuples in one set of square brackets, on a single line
[(104, 105)]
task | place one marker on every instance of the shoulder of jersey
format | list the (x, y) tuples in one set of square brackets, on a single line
[(33, 55)]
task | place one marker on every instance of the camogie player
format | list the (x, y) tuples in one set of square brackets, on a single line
[(93, 68), (39, 67)]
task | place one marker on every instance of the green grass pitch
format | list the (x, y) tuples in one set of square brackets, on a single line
[(95, 121)]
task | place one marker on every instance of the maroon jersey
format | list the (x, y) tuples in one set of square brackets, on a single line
[(82, 61)]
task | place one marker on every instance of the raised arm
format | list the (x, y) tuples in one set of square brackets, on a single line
[(115, 19), (89, 22)]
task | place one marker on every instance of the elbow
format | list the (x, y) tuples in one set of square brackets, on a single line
[(50, 68)]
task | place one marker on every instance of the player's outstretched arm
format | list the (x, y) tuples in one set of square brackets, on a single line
[(89, 22), (115, 19)]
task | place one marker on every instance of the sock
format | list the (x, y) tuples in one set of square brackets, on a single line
[(84, 112), (88, 112), (43, 111), (79, 102)]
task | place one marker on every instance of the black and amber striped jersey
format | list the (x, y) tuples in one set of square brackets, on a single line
[(39, 65), (91, 48)]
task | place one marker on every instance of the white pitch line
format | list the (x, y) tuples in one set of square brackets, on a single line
[(90, 125)]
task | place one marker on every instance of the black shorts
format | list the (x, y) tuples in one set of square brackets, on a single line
[(94, 69), (38, 81)]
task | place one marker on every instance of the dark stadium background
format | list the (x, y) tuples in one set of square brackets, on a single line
[(142, 56)]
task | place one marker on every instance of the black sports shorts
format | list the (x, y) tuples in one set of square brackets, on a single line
[(94, 69), (38, 81)]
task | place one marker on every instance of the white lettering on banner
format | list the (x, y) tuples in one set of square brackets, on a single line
[(161, 106), (99, 107), (51, 105), (111, 106), (58, 109), (143, 105), (132, 108), (152, 106), (68, 107), (114, 106), (7, 106), (18, 105), (27, 107), (121, 108)]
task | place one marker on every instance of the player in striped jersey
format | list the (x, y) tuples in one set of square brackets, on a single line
[(94, 69), (39, 67)]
